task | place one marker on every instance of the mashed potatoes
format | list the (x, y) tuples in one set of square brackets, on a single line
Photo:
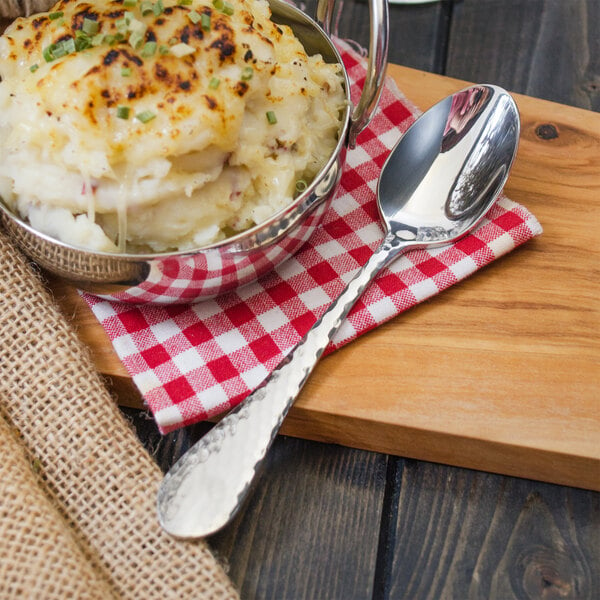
[(159, 125)]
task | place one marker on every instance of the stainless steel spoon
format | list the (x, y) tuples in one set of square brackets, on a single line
[(437, 184)]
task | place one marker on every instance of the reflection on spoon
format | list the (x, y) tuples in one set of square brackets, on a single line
[(437, 184)]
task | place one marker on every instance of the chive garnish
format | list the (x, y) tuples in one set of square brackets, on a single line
[(136, 39), (56, 15), (145, 116), (69, 46), (34, 68), (82, 41), (48, 53), (121, 25), (129, 3), (301, 185), (205, 21), (271, 117), (149, 49), (224, 6), (247, 73), (213, 84), (123, 112), (158, 8), (126, 72), (90, 27), (194, 17), (146, 8)]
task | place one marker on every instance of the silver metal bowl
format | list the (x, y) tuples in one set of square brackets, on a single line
[(205, 272)]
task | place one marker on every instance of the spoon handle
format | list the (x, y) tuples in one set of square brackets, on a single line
[(206, 486)]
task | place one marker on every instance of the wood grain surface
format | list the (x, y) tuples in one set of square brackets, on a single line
[(500, 372), (544, 48), (326, 521)]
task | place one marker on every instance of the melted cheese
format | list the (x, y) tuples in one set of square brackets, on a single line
[(208, 161)]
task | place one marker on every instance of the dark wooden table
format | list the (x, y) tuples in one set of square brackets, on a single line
[(329, 522)]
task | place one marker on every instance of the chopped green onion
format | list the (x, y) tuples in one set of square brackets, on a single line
[(69, 46), (82, 41), (126, 72), (34, 68), (158, 8), (271, 117), (162, 49), (48, 53), (129, 3), (223, 6), (136, 39), (149, 49), (184, 2), (146, 8), (205, 20), (90, 27), (121, 25), (301, 185), (99, 38), (173, 41), (56, 15), (247, 73), (213, 84), (194, 17), (59, 50), (129, 17), (145, 116), (123, 112)]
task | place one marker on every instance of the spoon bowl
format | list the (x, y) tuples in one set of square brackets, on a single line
[(437, 184), (449, 167)]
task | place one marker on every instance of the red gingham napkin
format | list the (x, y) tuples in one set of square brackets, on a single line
[(191, 362)]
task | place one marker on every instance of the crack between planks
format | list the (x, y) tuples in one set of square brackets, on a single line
[(387, 529), (440, 59)]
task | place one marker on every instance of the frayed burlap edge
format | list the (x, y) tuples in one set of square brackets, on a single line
[(95, 471)]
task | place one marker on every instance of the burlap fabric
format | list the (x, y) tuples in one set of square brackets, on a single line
[(11, 9), (77, 488)]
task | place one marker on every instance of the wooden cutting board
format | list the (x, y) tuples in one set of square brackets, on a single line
[(499, 373)]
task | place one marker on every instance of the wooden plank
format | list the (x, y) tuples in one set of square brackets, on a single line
[(417, 31), (544, 48), (464, 534), (310, 526)]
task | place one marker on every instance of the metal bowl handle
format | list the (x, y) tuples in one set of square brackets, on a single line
[(376, 68)]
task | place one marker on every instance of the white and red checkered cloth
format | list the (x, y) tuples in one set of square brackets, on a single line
[(191, 362)]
